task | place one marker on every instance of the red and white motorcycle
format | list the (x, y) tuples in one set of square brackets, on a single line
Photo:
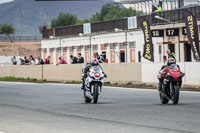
[(93, 84)]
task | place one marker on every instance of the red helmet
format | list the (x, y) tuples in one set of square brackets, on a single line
[(94, 62)]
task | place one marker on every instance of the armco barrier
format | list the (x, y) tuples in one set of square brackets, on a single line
[(122, 72)]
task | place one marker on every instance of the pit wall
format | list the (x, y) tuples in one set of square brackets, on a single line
[(121, 73)]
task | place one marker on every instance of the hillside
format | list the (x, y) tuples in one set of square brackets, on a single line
[(27, 15)]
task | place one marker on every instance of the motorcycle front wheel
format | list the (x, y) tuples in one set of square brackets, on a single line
[(175, 94), (95, 93)]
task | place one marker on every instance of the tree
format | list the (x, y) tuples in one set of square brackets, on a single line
[(110, 11), (64, 20), (95, 18), (79, 21), (7, 30)]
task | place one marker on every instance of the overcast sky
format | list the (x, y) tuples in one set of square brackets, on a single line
[(3, 1)]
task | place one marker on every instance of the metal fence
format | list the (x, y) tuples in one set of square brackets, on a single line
[(109, 25), (69, 30), (172, 15), (21, 38), (106, 26)]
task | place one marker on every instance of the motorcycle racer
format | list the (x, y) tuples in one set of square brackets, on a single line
[(94, 62), (164, 71)]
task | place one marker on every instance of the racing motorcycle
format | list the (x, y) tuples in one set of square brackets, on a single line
[(171, 85), (93, 84)]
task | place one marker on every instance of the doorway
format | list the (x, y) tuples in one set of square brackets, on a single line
[(171, 47), (187, 52), (122, 56)]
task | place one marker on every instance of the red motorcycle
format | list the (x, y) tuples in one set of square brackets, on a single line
[(171, 84)]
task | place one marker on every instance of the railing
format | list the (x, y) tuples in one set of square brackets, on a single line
[(106, 26), (69, 30), (109, 25), (21, 38), (173, 15)]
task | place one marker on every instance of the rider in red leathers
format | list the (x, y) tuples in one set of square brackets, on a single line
[(164, 71)]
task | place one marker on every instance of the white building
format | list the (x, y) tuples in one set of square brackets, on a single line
[(121, 40)]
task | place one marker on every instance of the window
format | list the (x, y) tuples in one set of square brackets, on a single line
[(95, 47), (87, 47), (79, 48), (132, 45), (45, 50), (122, 46), (71, 49), (103, 46), (112, 45)]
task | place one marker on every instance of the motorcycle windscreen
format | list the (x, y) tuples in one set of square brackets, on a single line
[(173, 67), (96, 68)]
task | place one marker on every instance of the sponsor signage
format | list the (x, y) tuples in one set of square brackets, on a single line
[(148, 46), (192, 33)]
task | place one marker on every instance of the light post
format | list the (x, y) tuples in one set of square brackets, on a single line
[(90, 36), (60, 45), (158, 17)]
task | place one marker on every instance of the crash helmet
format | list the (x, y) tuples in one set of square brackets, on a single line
[(171, 61), (94, 62)]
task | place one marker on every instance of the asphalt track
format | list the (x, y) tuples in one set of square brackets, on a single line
[(59, 108)]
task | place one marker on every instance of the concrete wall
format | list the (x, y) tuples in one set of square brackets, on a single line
[(192, 71), (122, 72), (26, 71), (62, 72)]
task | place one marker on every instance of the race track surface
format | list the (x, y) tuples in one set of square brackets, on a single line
[(59, 108)]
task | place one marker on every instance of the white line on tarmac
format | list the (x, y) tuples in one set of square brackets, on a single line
[(2, 132), (110, 87)]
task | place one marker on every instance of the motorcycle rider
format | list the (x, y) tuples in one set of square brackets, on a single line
[(94, 62), (170, 55), (164, 71)]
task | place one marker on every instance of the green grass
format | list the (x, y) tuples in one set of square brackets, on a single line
[(76, 82), (107, 83), (129, 83), (17, 79)]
